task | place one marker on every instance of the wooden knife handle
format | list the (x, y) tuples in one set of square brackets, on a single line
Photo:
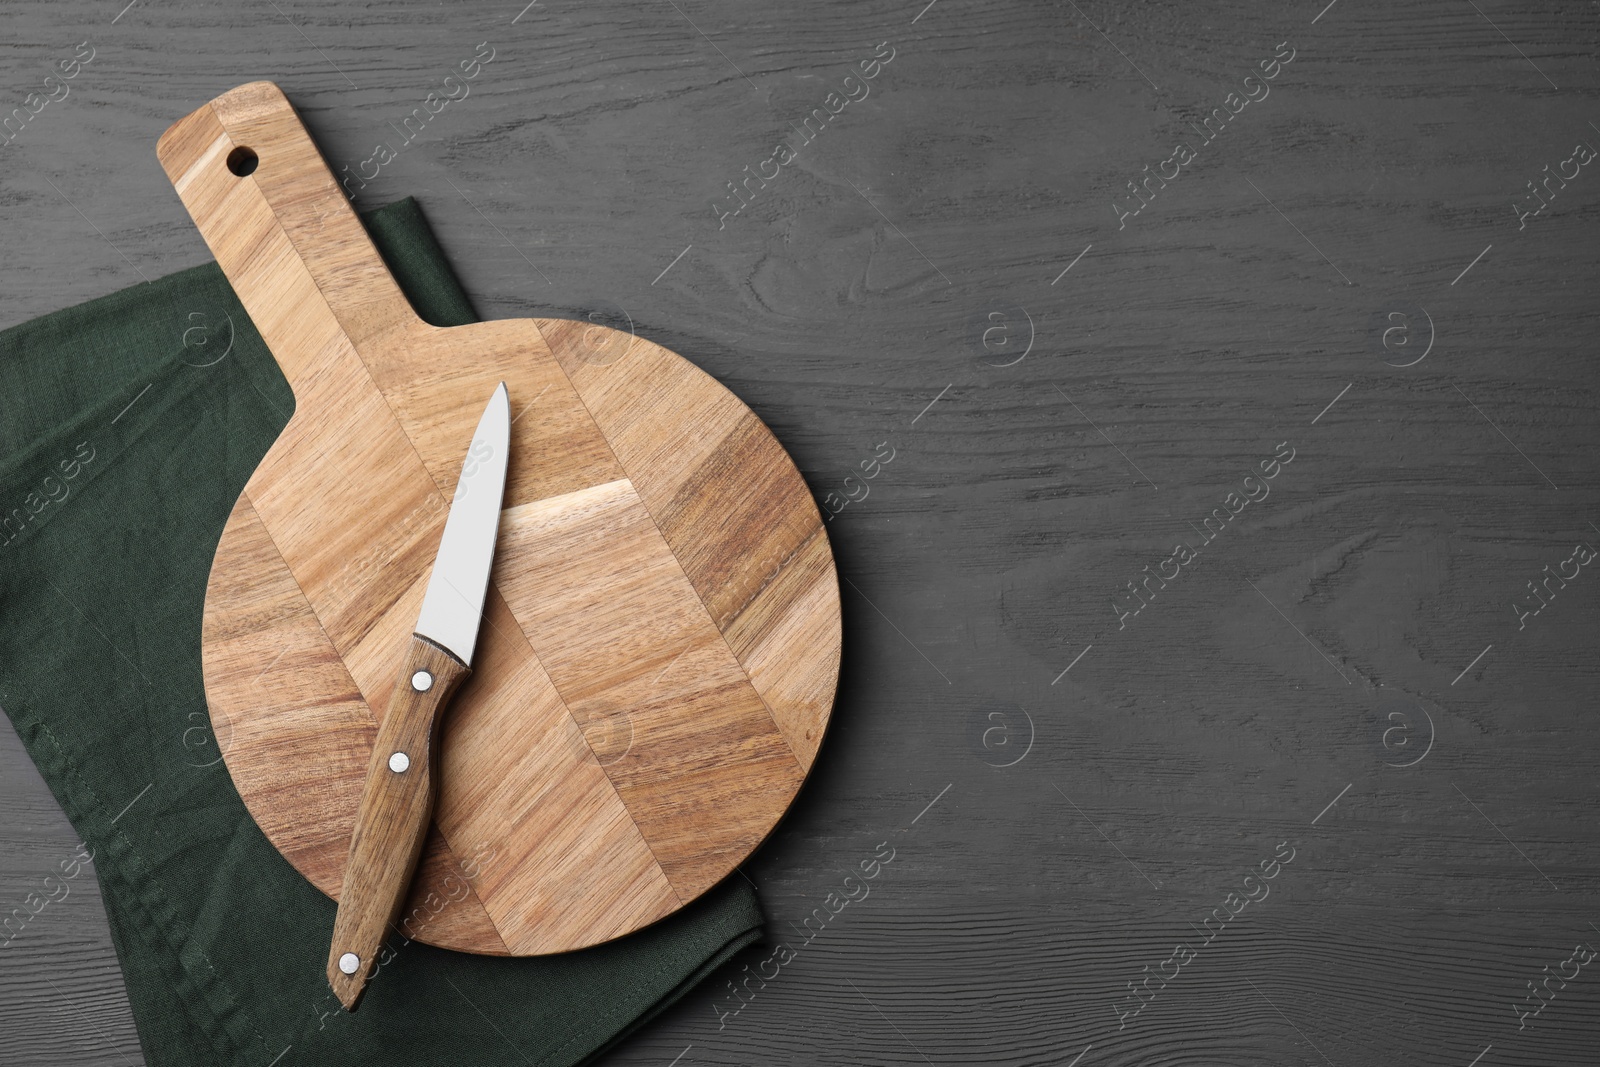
[(392, 821)]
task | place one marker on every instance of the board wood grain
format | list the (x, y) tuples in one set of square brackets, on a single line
[(663, 634)]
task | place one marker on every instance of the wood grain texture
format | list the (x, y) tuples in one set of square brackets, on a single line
[(644, 508), (393, 817), (1194, 340)]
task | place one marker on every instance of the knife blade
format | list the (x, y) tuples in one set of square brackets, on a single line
[(398, 795)]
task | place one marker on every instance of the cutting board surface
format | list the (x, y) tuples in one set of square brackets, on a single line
[(661, 640)]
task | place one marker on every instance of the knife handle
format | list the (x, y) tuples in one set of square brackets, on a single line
[(392, 821)]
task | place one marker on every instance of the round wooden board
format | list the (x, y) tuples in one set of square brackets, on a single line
[(661, 639)]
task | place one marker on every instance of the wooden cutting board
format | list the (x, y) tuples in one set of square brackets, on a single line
[(661, 641)]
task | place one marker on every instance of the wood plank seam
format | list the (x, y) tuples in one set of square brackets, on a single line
[(732, 614), (455, 855), (302, 259), (682, 569), (566, 707)]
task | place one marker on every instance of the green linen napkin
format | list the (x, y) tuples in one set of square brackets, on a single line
[(128, 426)]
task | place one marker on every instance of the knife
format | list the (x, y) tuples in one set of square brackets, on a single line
[(397, 799)]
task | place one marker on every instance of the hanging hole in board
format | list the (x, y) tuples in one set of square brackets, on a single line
[(242, 161)]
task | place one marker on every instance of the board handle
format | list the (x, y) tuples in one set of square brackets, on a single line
[(392, 821), (280, 226)]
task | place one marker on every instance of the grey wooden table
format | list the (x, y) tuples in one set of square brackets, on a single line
[(1116, 667)]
